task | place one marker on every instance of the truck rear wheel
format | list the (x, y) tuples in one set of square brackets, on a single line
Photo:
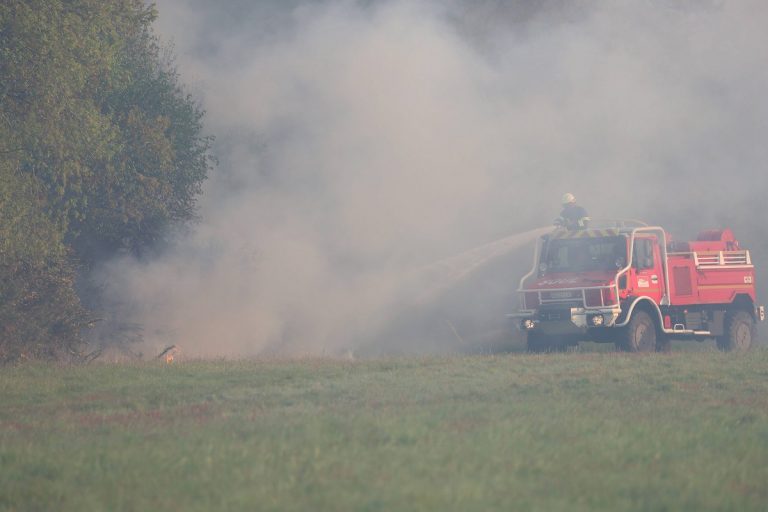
[(639, 335), (740, 333)]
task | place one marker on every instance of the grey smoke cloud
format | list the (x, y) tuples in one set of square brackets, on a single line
[(362, 140)]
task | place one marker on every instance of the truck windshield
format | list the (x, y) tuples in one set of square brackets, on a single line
[(585, 254)]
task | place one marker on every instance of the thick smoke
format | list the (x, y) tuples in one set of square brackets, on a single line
[(361, 141)]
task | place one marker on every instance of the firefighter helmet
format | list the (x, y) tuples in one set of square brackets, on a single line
[(568, 198)]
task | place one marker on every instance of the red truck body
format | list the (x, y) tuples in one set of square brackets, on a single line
[(635, 287), (711, 270)]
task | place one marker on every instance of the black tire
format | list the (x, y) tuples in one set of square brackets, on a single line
[(537, 343), (740, 333), (663, 344), (639, 335)]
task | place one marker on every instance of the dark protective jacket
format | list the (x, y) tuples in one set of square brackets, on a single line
[(573, 216)]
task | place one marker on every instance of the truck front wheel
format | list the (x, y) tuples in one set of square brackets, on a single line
[(639, 335), (740, 333)]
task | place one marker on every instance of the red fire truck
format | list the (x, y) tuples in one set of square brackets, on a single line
[(631, 285)]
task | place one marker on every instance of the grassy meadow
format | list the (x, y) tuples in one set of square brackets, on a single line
[(579, 431)]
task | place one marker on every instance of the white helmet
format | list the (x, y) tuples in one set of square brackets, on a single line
[(568, 198)]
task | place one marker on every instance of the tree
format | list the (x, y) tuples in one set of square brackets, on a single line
[(100, 150)]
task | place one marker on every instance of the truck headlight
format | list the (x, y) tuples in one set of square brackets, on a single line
[(596, 320), (528, 324)]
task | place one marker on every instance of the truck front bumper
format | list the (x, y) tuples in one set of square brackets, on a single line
[(558, 321)]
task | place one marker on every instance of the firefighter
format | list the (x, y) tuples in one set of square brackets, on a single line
[(573, 216)]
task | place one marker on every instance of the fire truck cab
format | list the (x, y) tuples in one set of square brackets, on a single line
[(633, 286)]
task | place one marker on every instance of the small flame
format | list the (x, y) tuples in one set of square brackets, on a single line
[(169, 353)]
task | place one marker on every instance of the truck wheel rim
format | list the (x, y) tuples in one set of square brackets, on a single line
[(643, 340), (742, 337)]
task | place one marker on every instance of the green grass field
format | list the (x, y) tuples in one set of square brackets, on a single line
[(581, 431)]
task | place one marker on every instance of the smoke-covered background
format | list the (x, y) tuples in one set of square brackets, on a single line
[(361, 141)]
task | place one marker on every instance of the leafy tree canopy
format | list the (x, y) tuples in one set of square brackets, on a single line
[(100, 150)]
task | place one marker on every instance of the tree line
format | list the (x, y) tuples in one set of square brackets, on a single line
[(101, 151)]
